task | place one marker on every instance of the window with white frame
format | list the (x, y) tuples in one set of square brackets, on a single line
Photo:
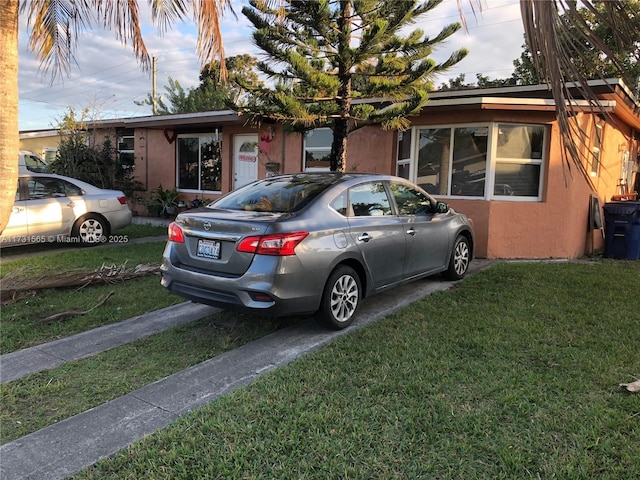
[(126, 152), (199, 163), (518, 162), (453, 160), (317, 149), (481, 161), (49, 154), (598, 128), (403, 165)]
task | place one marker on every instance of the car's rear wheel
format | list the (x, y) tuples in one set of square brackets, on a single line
[(91, 230), (460, 259), (340, 299)]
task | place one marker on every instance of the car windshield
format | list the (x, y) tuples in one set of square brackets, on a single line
[(278, 195)]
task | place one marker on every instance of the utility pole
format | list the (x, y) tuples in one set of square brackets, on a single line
[(154, 106)]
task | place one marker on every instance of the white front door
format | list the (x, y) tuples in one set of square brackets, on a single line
[(245, 159)]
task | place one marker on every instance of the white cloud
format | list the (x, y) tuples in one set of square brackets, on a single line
[(108, 79)]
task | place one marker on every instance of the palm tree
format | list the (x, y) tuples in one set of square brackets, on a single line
[(55, 27)]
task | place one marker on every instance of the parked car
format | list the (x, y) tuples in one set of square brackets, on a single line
[(302, 243), (54, 208), (29, 162)]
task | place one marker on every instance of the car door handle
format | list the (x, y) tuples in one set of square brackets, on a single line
[(71, 204), (365, 237), (411, 232), (18, 209)]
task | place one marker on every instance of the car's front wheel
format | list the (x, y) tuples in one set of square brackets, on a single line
[(340, 299), (460, 259), (91, 230)]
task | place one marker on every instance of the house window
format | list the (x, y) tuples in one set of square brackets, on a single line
[(481, 161), (126, 151), (199, 163), (597, 145), (49, 154), (403, 168), (453, 161), (518, 165), (317, 149)]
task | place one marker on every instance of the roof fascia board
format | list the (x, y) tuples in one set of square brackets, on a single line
[(533, 102), (163, 120)]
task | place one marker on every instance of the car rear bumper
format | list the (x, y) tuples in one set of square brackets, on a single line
[(119, 218), (253, 292)]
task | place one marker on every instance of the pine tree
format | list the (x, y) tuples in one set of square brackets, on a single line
[(344, 64)]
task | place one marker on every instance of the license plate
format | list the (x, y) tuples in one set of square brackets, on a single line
[(208, 249)]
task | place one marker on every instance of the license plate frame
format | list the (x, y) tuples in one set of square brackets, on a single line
[(208, 249)]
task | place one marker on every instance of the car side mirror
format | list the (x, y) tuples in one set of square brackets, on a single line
[(442, 207)]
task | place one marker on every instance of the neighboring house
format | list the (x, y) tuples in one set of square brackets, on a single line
[(492, 153), (43, 143)]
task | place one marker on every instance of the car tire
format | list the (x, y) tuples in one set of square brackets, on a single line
[(340, 298), (91, 230), (460, 259)]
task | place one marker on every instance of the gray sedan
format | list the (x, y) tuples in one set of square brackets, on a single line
[(313, 242)]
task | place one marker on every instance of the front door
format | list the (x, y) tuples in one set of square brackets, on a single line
[(245, 159)]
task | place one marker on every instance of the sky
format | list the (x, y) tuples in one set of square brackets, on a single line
[(107, 79)]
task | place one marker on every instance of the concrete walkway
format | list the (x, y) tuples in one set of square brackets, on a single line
[(24, 362), (64, 448)]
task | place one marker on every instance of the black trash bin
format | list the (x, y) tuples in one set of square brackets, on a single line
[(622, 230)]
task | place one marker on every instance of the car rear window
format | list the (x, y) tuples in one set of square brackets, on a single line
[(278, 195)]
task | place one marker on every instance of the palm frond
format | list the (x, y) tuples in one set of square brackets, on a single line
[(554, 29), (544, 27), (55, 26), (123, 17), (207, 15)]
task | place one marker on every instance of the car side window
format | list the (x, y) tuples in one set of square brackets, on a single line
[(369, 199), (71, 189), (409, 200), (45, 188), (34, 164), (340, 205)]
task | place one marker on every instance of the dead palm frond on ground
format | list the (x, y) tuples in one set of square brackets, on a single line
[(19, 284)]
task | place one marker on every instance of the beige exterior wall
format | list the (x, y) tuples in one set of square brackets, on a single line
[(39, 143)]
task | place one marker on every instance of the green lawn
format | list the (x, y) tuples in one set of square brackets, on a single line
[(513, 373), (22, 321)]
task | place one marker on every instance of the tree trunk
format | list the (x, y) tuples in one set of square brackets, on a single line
[(341, 124), (9, 138)]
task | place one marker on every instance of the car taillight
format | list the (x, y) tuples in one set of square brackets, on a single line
[(280, 244), (175, 233), (122, 200)]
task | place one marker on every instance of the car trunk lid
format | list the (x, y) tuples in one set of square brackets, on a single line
[(211, 237)]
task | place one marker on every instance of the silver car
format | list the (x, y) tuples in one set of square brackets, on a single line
[(313, 242), (52, 208)]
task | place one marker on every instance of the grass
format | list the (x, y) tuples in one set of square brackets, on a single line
[(124, 236), (513, 373), (44, 398), (22, 324)]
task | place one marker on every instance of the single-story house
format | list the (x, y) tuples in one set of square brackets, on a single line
[(492, 153)]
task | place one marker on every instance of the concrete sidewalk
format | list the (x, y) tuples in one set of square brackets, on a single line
[(64, 448), (24, 362)]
